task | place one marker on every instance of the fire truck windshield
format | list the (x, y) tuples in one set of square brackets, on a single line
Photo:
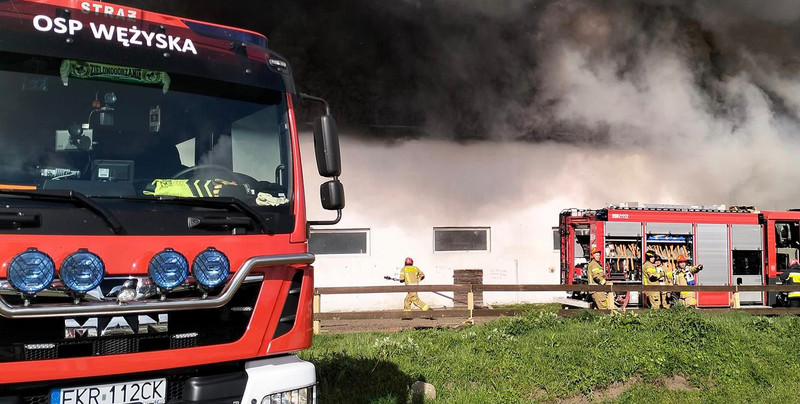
[(123, 132)]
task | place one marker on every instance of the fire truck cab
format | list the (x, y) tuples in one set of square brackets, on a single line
[(153, 231), (736, 245)]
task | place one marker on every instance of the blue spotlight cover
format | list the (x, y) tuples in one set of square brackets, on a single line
[(211, 268), (82, 271), (168, 269), (31, 271)]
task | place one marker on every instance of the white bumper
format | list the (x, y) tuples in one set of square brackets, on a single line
[(277, 375)]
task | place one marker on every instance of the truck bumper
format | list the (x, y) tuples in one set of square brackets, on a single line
[(282, 379), (285, 379)]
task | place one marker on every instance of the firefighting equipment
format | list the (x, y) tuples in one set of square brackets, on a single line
[(595, 250), (196, 188), (681, 258), (409, 261), (411, 275), (597, 276)]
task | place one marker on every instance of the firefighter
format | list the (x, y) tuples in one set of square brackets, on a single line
[(652, 276), (791, 276), (597, 276), (684, 276), (666, 273), (411, 275)]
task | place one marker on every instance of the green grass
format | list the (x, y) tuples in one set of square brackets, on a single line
[(539, 357)]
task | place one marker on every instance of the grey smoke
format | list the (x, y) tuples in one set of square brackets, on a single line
[(658, 100)]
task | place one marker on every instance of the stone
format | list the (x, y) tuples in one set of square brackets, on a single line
[(423, 390)]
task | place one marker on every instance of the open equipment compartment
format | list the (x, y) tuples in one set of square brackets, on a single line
[(669, 241), (624, 258)]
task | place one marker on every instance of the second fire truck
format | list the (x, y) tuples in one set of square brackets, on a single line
[(736, 245)]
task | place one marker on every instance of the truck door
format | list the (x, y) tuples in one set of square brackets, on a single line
[(580, 250), (747, 255), (787, 243), (713, 253)]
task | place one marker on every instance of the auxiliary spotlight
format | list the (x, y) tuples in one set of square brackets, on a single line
[(211, 268), (31, 271), (168, 269), (82, 271)]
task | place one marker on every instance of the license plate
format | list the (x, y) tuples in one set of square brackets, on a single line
[(142, 392)]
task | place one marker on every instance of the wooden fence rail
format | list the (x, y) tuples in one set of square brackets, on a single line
[(471, 311), (349, 290)]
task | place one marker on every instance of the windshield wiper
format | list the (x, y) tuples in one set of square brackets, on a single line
[(73, 197), (228, 203)]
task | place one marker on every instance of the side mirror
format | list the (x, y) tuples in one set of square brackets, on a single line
[(329, 163), (326, 146), (332, 195)]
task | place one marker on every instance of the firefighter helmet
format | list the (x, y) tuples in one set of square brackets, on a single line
[(595, 250), (409, 261), (794, 262), (682, 258), (650, 254)]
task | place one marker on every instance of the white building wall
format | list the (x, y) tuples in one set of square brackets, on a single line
[(400, 192)]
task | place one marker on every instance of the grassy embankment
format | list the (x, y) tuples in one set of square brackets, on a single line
[(539, 357)]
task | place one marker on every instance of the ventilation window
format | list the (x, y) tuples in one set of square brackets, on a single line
[(461, 239), (333, 242)]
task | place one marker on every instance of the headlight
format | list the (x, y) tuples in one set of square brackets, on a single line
[(299, 396), (168, 269), (31, 271), (82, 271), (211, 268)]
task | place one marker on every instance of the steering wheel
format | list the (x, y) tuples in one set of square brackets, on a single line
[(185, 171), (244, 178)]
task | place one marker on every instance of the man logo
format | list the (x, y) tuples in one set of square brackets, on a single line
[(115, 326)]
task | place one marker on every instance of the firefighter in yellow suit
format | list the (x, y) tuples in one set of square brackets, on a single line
[(651, 275), (411, 275), (684, 276), (666, 272), (597, 276), (791, 276)]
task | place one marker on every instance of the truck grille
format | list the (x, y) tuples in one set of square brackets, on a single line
[(41, 339), (45, 399)]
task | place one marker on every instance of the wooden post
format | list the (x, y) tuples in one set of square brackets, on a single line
[(316, 311), (470, 302), (736, 302), (470, 305)]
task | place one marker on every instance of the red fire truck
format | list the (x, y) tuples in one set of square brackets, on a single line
[(736, 245), (153, 232)]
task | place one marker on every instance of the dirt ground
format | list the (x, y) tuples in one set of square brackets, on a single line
[(393, 325)]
